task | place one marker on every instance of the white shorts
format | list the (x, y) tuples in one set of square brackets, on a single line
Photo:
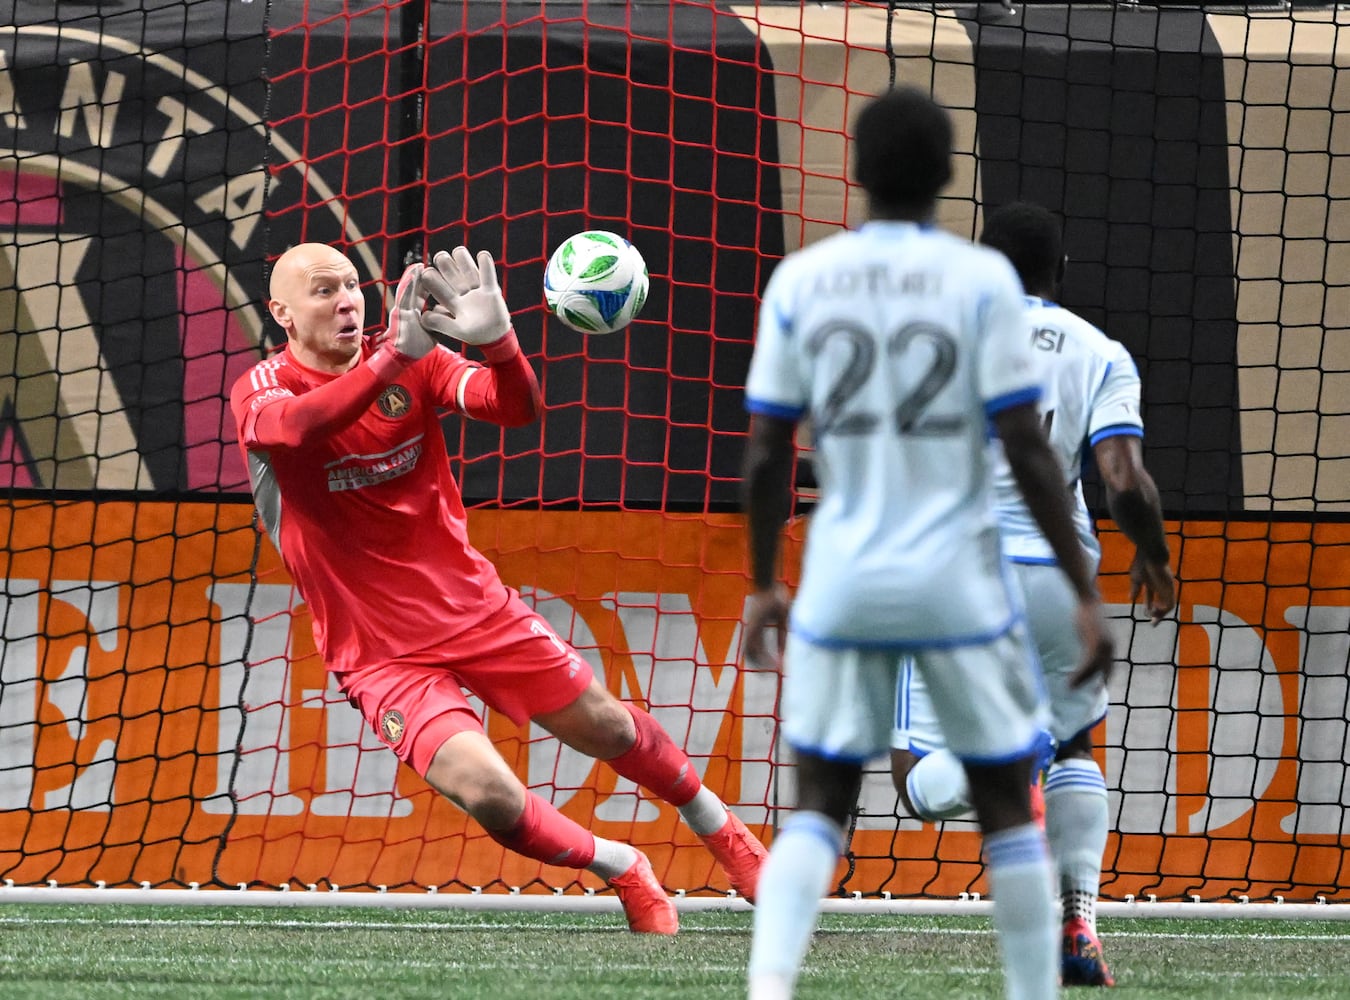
[(840, 703), (1051, 608)]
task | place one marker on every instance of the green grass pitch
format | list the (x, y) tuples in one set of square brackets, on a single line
[(64, 952)]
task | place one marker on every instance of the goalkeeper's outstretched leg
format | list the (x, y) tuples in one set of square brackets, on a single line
[(468, 770), (636, 746)]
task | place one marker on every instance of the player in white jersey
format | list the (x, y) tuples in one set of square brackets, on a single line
[(902, 344), (1091, 400)]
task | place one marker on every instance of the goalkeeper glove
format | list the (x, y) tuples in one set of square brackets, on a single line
[(469, 304), (403, 341)]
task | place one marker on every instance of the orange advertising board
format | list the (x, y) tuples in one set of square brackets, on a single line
[(165, 718)]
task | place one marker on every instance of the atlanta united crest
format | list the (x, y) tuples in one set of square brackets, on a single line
[(392, 727), (395, 402)]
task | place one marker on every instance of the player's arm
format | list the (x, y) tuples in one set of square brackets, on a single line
[(467, 304), (505, 391), (777, 400), (270, 416), (767, 500), (1132, 498)]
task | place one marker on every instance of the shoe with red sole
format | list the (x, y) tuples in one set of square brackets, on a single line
[(645, 903), (740, 854), (1081, 962)]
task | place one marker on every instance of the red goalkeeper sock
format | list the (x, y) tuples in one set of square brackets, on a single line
[(547, 835), (656, 763)]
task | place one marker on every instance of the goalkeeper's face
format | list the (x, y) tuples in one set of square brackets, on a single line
[(316, 298)]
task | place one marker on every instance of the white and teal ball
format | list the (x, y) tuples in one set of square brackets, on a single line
[(596, 282)]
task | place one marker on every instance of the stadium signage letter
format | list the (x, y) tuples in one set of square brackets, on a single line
[(1248, 708)]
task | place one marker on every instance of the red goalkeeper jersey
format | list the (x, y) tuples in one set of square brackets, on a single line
[(368, 518)]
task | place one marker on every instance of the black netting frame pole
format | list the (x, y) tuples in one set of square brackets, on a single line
[(411, 138), (244, 653)]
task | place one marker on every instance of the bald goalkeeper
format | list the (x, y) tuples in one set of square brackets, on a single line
[(347, 460)]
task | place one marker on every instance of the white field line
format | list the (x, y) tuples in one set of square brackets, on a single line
[(520, 902), (422, 926)]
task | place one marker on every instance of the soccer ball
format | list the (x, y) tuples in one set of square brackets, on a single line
[(596, 282)]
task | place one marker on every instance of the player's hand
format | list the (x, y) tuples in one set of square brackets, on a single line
[(404, 336), (766, 610), (1156, 584), (468, 301), (1098, 647)]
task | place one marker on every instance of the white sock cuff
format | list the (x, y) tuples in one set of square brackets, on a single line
[(612, 858), (817, 825), (1074, 775), (704, 813), (1016, 846)]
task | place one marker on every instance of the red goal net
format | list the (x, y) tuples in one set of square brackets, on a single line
[(164, 718)]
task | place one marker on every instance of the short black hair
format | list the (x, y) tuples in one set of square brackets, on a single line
[(902, 148), (1030, 236)]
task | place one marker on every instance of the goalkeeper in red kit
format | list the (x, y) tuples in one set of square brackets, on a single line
[(347, 461)]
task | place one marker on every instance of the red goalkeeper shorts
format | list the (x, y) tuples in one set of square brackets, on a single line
[(513, 661)]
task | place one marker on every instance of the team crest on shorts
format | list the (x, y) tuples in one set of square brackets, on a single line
[(395, 402), (393, 726)]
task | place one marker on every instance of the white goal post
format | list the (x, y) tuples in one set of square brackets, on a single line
[(590, 902)]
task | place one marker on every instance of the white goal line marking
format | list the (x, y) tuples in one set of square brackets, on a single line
[(516, 901), (553, 925)]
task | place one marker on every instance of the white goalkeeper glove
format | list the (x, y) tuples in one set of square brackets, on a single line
[(403, 340), (469, 305)]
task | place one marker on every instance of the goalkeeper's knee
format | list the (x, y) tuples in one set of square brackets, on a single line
[(937, 787)]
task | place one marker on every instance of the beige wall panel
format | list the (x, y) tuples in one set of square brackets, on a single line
[(70, 412), (827, 62), (1289, 155), (1289, 127)]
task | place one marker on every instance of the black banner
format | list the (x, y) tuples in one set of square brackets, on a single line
[(153, 160), (1119, 124), (657, 127)]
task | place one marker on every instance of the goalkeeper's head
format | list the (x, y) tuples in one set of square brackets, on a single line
[(1031, 237), (316, 298), (902, 153)]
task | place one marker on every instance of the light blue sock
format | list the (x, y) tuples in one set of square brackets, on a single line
[(1076, 825), (1025, 914), (787, 902)]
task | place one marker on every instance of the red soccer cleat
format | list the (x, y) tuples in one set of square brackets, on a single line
[(645, 904), (1081, 962), (740, 854)]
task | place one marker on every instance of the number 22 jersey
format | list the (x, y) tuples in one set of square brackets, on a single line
[(899, 342)]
